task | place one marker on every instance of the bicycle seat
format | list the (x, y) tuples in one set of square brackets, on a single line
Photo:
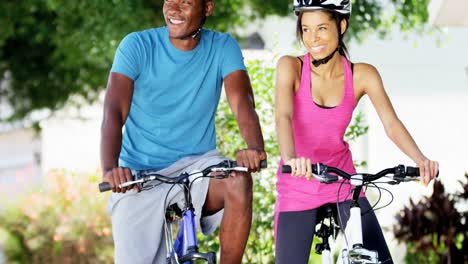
[(326, 229), (326, 211)]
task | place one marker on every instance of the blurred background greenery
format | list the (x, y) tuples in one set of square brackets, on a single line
[(51, 50)]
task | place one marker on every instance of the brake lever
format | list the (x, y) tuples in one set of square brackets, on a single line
[(398, 180), (322, 174), (324, 177), (223, 175), (229, 169), (126, 184), (409, 179)]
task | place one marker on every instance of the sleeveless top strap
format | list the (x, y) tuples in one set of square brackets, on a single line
[(348, 97), (305, 77)]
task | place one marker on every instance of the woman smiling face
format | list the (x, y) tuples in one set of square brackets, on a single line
[(320, 33)]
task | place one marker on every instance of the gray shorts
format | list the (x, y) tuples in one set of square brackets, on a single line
[(138, 218)]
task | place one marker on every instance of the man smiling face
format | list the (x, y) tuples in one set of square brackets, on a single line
[(185, 17)]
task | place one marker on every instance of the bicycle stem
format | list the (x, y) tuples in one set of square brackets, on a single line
[(188, 198)]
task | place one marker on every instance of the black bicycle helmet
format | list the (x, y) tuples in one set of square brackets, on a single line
[(340, 6)]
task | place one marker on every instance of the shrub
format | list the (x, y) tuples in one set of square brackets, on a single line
[(435, 230), (260, 244), (63, 222)]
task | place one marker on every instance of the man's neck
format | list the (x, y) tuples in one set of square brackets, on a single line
[(186, 44)]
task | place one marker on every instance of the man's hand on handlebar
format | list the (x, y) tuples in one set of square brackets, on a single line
[(118, 176), (250, 158)]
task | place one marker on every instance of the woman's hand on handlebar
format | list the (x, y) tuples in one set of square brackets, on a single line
[(300, 167), (250, 158), (428, 170), (118, 176)]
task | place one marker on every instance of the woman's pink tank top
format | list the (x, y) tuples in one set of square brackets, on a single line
[(318, 134)]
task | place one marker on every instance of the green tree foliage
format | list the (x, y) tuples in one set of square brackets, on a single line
[(51, 50)]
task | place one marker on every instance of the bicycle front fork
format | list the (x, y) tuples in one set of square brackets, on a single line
[(185, 246), (356, 253)]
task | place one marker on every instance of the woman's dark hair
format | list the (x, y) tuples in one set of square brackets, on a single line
[(337, 17)]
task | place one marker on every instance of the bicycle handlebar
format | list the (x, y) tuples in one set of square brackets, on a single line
[(320, 171), (224, 166)]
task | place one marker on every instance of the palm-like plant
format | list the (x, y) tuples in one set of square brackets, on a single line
[(435, 229)]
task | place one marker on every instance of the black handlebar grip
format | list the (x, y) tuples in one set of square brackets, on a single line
[(286, 169), (412, 171), (104, 187)]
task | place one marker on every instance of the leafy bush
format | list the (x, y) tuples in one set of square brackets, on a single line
[(260, 244), (435, 230), (63, 222)]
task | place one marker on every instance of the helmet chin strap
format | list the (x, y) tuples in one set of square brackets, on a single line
[(192, 34), (317, 63)]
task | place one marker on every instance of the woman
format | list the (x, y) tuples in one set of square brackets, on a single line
[(315, 98)]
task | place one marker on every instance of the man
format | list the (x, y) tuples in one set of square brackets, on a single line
[(164, 89)]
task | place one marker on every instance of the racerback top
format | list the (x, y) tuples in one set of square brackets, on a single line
[(319, 135)]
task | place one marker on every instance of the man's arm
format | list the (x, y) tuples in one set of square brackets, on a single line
[(116, 108), (241, 99)]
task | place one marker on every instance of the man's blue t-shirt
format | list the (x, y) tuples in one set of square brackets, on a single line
[(175, 95)]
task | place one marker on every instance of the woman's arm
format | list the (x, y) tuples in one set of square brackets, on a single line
[(369, 82), (287, 74)]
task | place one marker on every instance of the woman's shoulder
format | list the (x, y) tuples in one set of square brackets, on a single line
[(365, 71), (366, 76), (288, 59), (290, 63), (364, 68)]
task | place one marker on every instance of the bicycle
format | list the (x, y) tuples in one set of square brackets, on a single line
[(182, 248), (353, 252)]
